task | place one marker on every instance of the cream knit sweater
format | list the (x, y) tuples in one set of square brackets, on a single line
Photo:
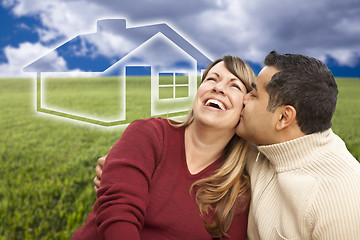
[(307, 188)]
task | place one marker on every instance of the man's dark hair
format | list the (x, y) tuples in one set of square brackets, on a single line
[(305, 83)]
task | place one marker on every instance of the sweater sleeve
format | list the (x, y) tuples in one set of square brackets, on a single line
[(125, 183), (336, 211)]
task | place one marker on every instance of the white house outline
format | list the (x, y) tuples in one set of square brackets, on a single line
[(156, 109), (173, 85)]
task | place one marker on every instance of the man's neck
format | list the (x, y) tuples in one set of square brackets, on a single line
[(288, 134)]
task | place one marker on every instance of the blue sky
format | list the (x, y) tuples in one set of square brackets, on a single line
[(325, 29)]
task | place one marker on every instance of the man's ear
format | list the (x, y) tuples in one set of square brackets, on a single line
[(287, 116)]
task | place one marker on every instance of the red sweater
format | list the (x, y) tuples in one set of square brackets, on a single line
[(144, 192)]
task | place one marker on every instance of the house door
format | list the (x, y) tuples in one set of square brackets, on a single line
[(138, 92)]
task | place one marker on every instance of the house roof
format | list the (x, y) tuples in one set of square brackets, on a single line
[(78, 52)]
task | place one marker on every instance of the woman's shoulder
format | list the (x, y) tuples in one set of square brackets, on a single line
[(150, 128), (142, 136), (154, 133), (154, 124)]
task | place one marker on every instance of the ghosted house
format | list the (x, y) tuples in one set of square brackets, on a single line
[(168, 62)]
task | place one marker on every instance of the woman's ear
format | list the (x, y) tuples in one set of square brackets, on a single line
[(287, 116)]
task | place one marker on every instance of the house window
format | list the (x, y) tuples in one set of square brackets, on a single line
[(173, 85)]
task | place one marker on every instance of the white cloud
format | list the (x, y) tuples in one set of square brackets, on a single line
[(249, 29), (104, 43), (8, 3), (61, 18), (19, 57), (345, 57)]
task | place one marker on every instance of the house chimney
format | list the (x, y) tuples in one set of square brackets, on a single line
[(111, 25)]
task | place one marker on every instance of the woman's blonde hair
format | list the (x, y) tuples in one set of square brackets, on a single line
[(229, 185)]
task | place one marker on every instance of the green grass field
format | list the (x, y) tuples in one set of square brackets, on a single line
[(47, 163), (98, 99)]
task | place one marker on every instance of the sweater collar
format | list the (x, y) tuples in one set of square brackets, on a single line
[(298, 152)]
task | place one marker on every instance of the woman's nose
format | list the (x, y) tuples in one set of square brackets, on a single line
[(219, 88)]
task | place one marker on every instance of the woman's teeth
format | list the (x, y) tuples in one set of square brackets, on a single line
[(215, 103)]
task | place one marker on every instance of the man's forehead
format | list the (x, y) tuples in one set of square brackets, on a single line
[(265, 76), (260, 82)]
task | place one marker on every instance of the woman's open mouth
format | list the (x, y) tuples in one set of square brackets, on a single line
[(215, 104)]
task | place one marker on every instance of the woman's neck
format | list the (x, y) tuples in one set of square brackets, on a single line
[(204, 145)]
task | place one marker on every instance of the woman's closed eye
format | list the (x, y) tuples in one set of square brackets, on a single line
[(210, 79), (236, 86)]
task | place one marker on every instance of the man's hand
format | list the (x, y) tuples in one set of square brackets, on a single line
[(98, 172)]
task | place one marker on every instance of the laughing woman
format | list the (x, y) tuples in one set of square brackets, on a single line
[(165, 179)]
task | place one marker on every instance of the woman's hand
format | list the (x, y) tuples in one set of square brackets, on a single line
[(98, 172)]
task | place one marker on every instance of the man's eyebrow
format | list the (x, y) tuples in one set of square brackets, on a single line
[(254, 86)]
